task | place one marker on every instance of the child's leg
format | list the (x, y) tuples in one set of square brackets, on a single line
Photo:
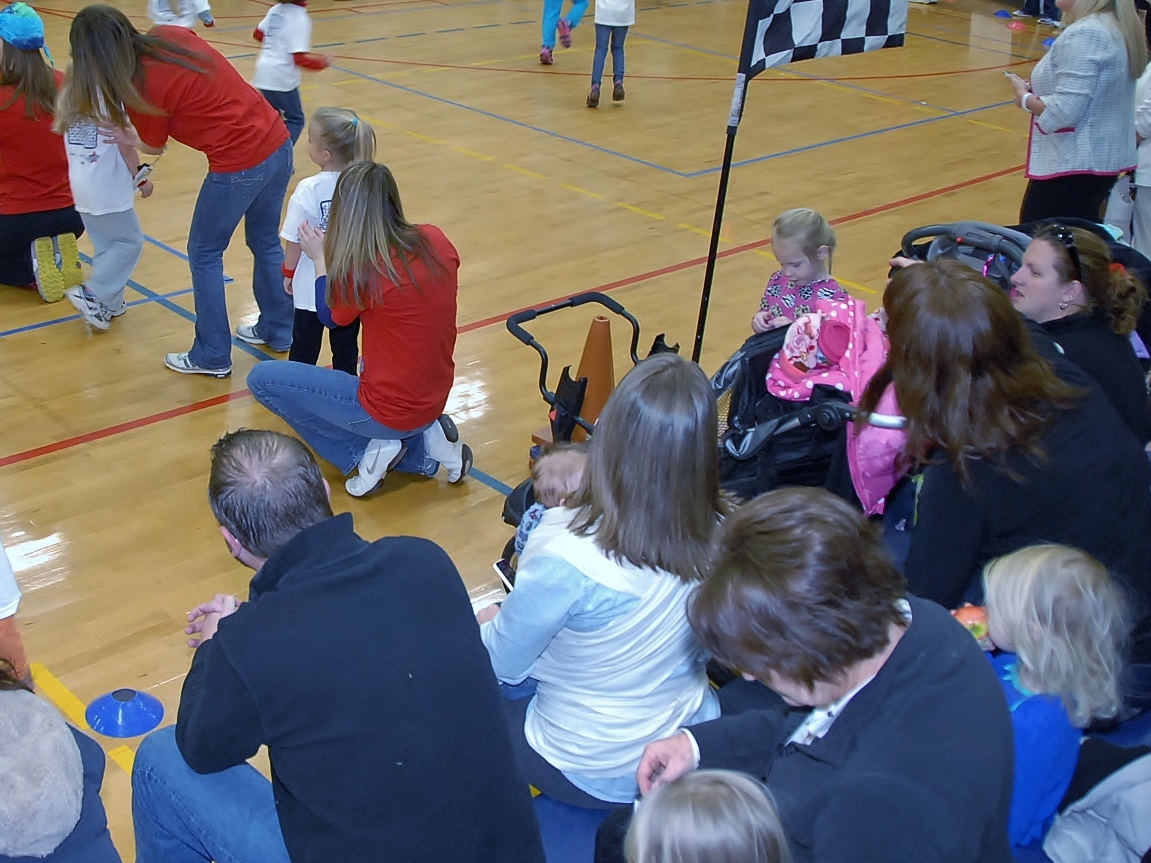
[(345, 342), (550, 22), (307, 337), (618, 35), (602, 34), (118, 243), (290, 108), (576, 13)]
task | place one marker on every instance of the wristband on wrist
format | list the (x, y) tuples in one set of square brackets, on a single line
[(287, 273)]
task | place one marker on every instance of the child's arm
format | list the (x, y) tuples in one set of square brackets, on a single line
[(312, 62), (291, 261), (132, 160)]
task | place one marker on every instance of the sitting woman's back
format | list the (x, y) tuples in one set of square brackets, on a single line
[(597, 619), (1016, 450)]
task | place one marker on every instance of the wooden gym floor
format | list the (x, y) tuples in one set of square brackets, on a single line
[(104, 453)]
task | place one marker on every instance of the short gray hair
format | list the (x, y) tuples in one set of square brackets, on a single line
[(265, 487)]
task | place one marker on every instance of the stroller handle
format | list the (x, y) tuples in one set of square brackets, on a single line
[(515, 327)]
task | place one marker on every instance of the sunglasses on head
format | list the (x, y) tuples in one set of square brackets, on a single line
[(1067, 240)]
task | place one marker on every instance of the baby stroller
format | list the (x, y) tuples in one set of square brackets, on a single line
[(567, 400), (997, 252), (768, 438)]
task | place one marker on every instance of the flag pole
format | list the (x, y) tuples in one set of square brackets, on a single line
[(717, 220), (734, 116)]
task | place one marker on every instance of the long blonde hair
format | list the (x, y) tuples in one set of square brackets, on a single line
[(707, 816), (349, 137), (1066, 619), (106, 76), (367, 231), (1134, 36)]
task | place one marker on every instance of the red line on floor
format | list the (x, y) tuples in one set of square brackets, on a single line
[(99, 434), (183, 410)]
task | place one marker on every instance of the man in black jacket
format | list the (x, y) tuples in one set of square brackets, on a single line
[(359, 665)]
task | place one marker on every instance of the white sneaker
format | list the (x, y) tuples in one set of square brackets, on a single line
[(379, 457), (183, 364), (455, 456), (247, 333), (89, 307)]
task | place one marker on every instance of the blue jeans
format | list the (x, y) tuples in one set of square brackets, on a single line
[(602, 33), (287, 102), (323, 406), (256, 196), (552, 18), (182, 816)]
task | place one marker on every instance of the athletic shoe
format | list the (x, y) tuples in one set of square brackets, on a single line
[(1048, 22), (546, 56), (89, 307), (593, 97), (617, 93), (49, 279), (69, 260), (457, 474), (455, 456), (565, 32), (117, 312), (449, 427), (1019, 13), (183, 364), (379, 457), (247, 333)]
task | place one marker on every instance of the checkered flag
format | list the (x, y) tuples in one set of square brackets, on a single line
[(784, 31)]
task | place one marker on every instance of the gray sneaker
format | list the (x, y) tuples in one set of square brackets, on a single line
[(183, 364), (89, 307)]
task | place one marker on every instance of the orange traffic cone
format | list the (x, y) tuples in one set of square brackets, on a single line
[(596, 365)]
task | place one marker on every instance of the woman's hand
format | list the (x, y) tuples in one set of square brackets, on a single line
[(1021, 87), (665, 761), (312, 245)]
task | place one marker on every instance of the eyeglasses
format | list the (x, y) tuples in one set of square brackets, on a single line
[(1067, 240)]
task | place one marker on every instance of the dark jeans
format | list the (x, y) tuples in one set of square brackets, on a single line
[(308, 336), (1041, 9), (18, 232), (1077, 196), (617, 35), (290, 108)]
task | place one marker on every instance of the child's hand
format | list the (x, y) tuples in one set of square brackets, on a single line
[(288, 286), (146, 189), (761, 322)]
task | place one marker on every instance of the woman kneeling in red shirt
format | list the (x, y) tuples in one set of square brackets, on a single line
[(400, 280)]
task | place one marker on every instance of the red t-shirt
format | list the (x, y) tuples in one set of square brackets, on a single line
[(216, 112), (408, 340), (33, 164)]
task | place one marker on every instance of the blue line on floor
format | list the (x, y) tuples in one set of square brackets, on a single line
[(518, 123), (178, 254), (821, 144), (491, 482)]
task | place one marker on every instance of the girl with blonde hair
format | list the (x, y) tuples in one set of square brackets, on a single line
[(400, 281), (804, 244), (707, 816), (1060, 620), (336, 138)]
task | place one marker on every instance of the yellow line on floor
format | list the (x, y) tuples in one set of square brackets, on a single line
[(59, 694), (639, 210), (520, 170), (990, 125), (572, 188), (124, 756), (50, 686)]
